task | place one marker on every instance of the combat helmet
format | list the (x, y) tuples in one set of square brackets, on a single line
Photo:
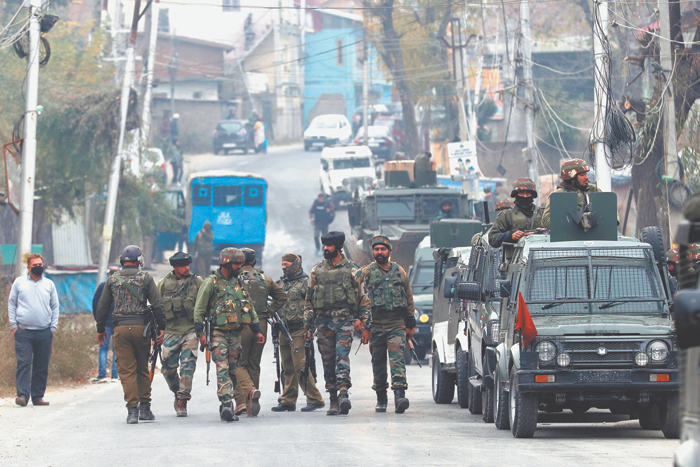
[(381, 240), (249, 254), (571, 168), (524, 184), (231, 255), (503, 205), (131, 253)]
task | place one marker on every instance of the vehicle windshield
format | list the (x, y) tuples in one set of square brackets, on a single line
[(422, 279), (396, 208), (374, 131), (230, 127), (351, 163), (324, 124)]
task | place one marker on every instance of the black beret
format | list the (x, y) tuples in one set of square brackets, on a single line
[(333, 238), (180, 259)]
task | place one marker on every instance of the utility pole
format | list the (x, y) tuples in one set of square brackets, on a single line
[(602, 67), (302, 68), (113, 187), (172, 70), (667, 65), (365, 79), (473, 120), (459, 81), (531, 150), (26, 196), (152, 20)]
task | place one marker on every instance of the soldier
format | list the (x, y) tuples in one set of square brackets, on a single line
[(203, 249), (259, 287), (129, 289), (422, 163), (179, 291), (445, 210), (503, 205), (524, 215), (223, 297), (574, 174), (393, 321), (295, 283), (335, 303)]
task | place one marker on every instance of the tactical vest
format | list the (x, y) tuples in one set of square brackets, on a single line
[(335, 288), (293, 309), (125, 303), (230, 306), (256, 286), (386, 291), (179, 296)]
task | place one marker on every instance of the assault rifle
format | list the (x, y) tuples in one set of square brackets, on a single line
[(310, 364), (275, 320), (411, 345), (279, 382), (151, 330), (207, 335)]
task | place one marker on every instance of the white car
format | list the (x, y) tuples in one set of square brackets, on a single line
[(328, 130), (345, 171), (154, 164)]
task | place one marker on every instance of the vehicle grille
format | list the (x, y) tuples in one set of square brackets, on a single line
[(587, 353)]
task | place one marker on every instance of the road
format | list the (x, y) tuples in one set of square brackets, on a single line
[(86, 426)]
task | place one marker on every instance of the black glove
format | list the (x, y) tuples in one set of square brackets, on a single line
[(198, 328), (410, 322)]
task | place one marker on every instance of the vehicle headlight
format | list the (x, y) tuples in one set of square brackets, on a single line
[(547, 351), (658, 351), (495, 328), (563, 359), (424, 318), (641, 359)]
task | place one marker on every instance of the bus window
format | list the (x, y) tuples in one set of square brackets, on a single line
[(201, 195), (227, 196), (253, 195)]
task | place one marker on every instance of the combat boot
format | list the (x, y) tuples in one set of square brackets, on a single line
[(345, 404), (334, 409), (254, 403), (400, 401), (226, 412), (382, 401), (181, 407), (145, 411), (133, 416)]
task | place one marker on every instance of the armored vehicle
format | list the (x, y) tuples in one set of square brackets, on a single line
[(420, 275)]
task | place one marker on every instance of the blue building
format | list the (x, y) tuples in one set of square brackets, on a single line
[(333, 70)]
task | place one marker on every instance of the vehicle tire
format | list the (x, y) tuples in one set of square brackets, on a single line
[(443, 383), (671, 418), (500, 403), (474, 394), (522, 411), (650, 417), (486, 401), (462, 378), (407, 355)]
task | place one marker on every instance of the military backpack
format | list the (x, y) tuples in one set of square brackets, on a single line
[(230, 306)]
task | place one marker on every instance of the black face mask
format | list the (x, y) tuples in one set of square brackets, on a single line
[(292, 270), (381, 259), (330, 254), (37, 270), (524, 202)]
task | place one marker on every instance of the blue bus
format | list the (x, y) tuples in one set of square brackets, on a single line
[(234, 203)]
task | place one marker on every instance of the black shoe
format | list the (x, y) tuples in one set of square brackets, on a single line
[(311, 407), (345, 404), (284, 408), (334, 409), (400, 401), (145, 412), (254, 403), (133, 416), (382, 401), (226, 412)]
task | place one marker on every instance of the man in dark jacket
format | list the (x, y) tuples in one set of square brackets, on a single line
[(322, 213), (104, 348)]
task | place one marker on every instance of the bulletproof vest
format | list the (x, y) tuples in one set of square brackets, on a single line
[(179, 296), (386, 291), (256, 286), (335, 288), (230, 304), (293, 309), (125, 303), (520, 221)]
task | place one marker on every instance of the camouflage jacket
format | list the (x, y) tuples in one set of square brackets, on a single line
[(565, 188), (129, 310), (390, 294), (511, 220), (259, 287), (293, 310), (227, 301), (179, 297)]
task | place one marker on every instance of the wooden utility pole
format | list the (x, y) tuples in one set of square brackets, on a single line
[(667, 65)]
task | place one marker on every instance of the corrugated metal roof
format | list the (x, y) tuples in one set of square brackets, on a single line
[(71, 247)]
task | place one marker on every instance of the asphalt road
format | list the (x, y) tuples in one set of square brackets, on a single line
[(87, 426)]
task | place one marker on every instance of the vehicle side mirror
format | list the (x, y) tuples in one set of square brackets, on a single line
[(469, 291), (686, 312), (448, 291), (504, 289)]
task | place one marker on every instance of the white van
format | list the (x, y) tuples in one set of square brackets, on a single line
[(345, 170)]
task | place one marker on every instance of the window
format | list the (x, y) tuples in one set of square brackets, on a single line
[(231, 5), (163, 20), (201, 195), (227, 196), (339, 52), (254, 195), (398, 209)]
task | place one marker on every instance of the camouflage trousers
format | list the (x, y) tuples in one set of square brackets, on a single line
[(393, 342), (334, 342), (180, 350), (226, 349)]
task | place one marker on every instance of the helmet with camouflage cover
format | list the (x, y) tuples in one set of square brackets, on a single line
[(571, 168), (503, 205), (381, 240), (524, 184), (231, 255)]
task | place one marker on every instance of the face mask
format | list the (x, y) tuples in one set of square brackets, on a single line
[(37, 270), (291, 270), (524, 202), (381, 259), (330, 254)]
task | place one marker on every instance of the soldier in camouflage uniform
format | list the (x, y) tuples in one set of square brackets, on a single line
[(295, 283), (335, 304), (259, 287), (393, 321), (179, 291), (574, 174), (129, 290), (510, 224), (223, 297), (503, 205)]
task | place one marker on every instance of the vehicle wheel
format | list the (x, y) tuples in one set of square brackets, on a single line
[(653, 236), (671, 418), (523, 410), (462, 378), (580, 408), (650, 417), (474, 394), (500, 403), (487, 402), (443, 383), (407, 355)]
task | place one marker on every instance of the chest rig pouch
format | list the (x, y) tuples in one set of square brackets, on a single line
[(296, 297), (128, 294), (179, 297), (386, 291), (335, 288)]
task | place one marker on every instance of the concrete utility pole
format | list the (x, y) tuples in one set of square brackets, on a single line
[(531, 155), (26, 194), (113, 188), (602, 63), (473, 120), (302, 68), (459, 79), (365, 80), (668, 65), (152, 19), (172, 70)]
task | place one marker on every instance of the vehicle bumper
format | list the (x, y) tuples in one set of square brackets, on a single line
[(343, 195), (321, 141), (600, 382)]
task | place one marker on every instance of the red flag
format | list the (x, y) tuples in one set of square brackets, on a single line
[(524, 323)]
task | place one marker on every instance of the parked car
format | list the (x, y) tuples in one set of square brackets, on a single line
[(232, 134), (379, 140), (327, 130), (395, 126), (154, 164), (345, 170), (374, 110)]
